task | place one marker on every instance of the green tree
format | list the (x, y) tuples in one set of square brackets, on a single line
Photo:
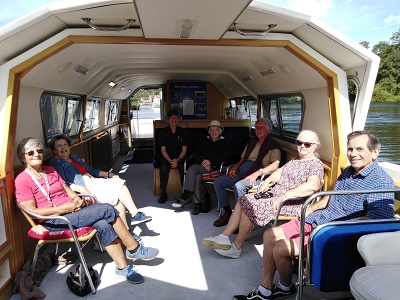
[(387, 88)]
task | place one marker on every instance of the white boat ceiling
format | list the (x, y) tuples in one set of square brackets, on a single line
[(162, 55)]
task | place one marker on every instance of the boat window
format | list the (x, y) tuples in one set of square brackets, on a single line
[(92, 117), (286, 113), (60, 114), (353, 86), (147, 105), (111, 112), (246, 108)]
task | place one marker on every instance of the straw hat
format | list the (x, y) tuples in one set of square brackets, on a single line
[(215, 123)]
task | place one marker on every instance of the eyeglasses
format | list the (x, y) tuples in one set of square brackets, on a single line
[(32, 152), (306, 144)]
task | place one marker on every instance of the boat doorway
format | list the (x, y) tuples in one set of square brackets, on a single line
[(146, 106)]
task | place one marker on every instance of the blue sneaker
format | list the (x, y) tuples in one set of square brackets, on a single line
[(140, 218), (144, 253), (129, 273)]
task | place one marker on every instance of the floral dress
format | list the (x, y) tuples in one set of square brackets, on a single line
[(294, 173)]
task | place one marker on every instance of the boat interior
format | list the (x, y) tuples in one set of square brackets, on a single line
[(77, 67)]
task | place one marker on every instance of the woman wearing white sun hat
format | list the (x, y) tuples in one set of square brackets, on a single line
[(208, 156)]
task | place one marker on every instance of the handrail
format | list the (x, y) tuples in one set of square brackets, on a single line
[(308, 201), (254, 33), (109, 28)]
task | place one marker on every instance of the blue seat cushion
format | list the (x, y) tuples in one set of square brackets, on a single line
[(334, 254)]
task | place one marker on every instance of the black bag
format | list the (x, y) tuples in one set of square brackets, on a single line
[(78, 282), (205, 203), (263, 195)]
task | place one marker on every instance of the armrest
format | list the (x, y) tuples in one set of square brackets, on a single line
[(380, 248), (283, 201)]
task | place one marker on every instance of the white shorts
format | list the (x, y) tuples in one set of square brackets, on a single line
[(107, 190)]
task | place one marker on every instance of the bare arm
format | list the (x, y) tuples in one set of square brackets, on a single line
[(317, 205), (274, 177), (267, 170), (79, 189), (66, 208), (165, 153), (306, 189)]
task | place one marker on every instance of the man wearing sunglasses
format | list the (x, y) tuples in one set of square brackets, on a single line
[(262, 155), (281, 243)]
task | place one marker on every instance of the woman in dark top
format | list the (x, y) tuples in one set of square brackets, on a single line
[(208, 156)]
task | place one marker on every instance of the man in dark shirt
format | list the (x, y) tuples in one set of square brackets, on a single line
[(173, 142)]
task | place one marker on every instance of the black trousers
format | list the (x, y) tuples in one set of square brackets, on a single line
[(165, 166)]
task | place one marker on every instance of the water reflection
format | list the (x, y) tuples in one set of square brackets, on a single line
[(384, 121)]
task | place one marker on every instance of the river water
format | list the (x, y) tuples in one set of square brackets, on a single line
[(384, 121)]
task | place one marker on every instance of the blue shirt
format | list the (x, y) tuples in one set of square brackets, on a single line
[(69, 172), (350, 207)]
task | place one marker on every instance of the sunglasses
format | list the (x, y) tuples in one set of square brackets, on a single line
[(32, 152), (306, 144)]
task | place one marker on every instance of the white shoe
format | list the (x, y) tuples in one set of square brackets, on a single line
[(217, 242), (233, 252), (180, 202)]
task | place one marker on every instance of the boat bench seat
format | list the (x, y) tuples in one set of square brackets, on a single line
[(237, 136)]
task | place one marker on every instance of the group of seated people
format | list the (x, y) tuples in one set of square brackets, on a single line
[(53, 191), (45, 191), (299, 178)]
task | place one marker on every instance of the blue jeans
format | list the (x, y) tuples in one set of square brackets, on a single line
[(225, 181), (241, 187), (99, 216)]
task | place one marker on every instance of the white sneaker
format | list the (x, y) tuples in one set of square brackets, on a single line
[(233, 252), (180, 203), (217, 242)]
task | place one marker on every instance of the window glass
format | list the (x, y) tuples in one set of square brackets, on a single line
[(291, 112), (353, 86), (286, 113), (111, 112), (92, 117), (60, 114)]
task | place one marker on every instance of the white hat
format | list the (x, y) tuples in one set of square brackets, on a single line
[(215, 123)]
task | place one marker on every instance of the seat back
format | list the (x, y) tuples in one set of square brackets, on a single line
[(333, 254)]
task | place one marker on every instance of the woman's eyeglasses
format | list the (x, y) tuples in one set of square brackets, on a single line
[(32, 152), (306, 144)]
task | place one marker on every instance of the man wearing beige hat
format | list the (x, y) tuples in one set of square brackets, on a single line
[(208, 156)]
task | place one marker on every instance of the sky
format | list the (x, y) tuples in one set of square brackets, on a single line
[(361, 20)]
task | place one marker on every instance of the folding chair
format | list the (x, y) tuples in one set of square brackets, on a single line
[(44, 236), (332, 255)]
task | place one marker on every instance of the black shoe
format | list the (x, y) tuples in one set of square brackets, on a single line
[(278, 293), (195, 209), (163, 198), (253, 295)]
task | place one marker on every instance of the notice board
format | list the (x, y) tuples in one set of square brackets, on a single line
[(189, 99)]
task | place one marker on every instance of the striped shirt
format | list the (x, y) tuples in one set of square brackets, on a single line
[(350, 207)]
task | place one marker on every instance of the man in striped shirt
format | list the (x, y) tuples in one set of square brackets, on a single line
[(282, 242)]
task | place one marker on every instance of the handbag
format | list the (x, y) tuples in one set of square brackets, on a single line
[(263, 195), (205, 203), (78, 282)]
